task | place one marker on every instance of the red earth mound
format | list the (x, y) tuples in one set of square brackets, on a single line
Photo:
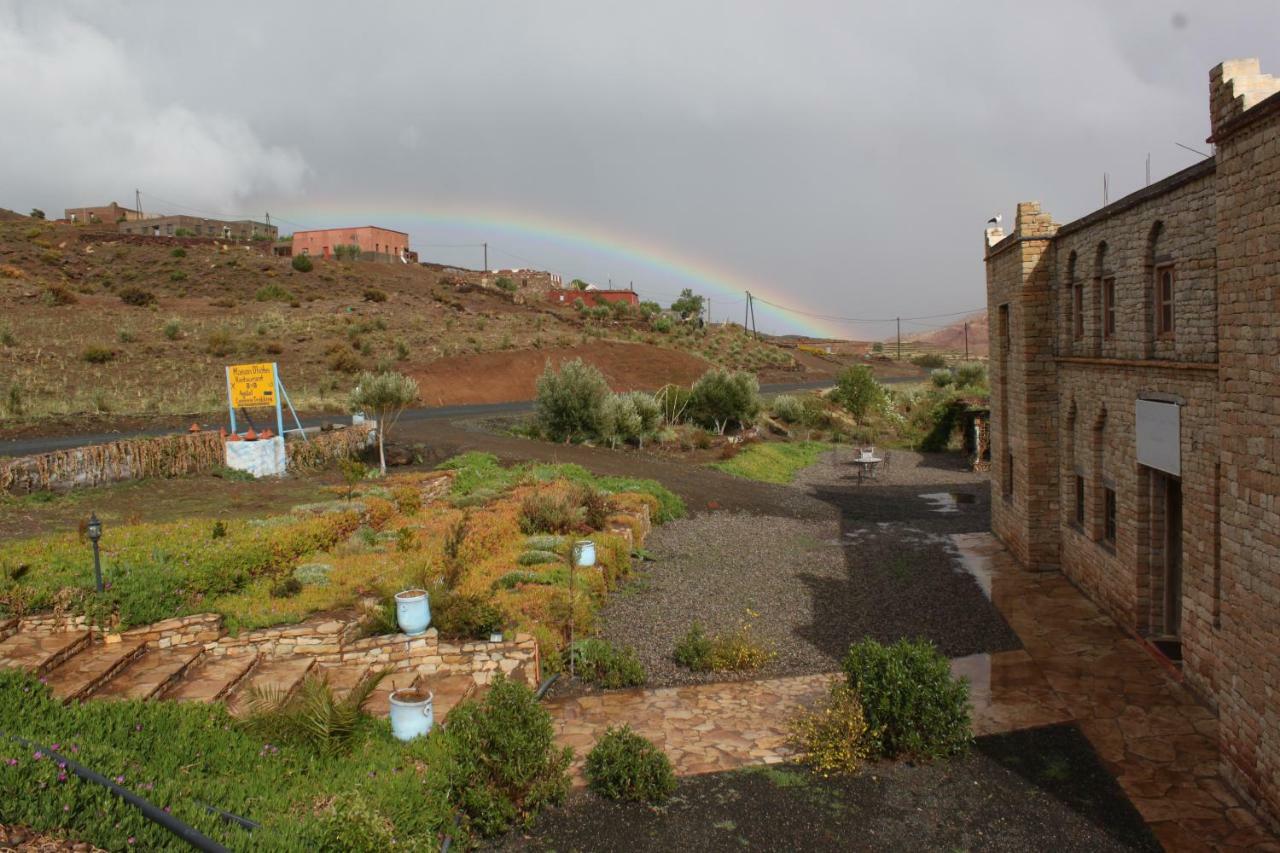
[(502, 377)]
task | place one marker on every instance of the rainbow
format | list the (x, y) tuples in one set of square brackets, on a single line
[(675, 270)]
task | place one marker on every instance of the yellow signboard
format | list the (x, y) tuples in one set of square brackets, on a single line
[(252, 384)]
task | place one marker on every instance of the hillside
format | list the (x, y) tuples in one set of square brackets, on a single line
[(952, 338), (98, 323)]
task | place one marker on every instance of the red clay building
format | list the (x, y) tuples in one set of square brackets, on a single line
[(592, 298), (376, 244)]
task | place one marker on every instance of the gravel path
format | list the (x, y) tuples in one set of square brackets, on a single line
[(878, 565)]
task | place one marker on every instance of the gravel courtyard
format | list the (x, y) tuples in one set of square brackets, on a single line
[(825, 561)]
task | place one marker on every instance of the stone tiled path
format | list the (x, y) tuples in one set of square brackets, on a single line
[(1076, 665), (1149, 731)]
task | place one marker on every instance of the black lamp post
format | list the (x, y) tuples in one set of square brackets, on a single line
[(95, 533)]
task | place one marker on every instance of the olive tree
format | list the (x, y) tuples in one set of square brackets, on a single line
[(384, 396)]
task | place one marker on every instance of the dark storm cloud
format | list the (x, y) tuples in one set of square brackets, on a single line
[(845, 153)]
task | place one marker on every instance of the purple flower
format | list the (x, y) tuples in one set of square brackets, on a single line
[(37, 755), (130, 840), (55, 747), (119, 780), (13, 762), (66, 808)]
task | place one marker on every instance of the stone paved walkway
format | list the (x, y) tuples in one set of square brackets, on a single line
[(1076, 664), (1148, 729)]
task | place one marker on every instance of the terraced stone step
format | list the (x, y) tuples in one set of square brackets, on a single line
[(39, 653), (280, 675), (212, 678), (77, 677), (149, 675), (342, 677)]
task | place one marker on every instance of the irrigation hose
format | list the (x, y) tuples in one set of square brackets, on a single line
[(189, 834)]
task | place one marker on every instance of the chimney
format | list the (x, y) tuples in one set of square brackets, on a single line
[(1235, 86)]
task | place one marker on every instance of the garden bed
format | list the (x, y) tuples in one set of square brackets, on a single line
[(1042, 789)]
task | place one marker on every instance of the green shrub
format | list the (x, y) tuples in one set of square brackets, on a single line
[(172, 329), (345, 361), (373, 294), (941, 377), (177, 275), (286, 588), (673, 403), (929, 361), (538, 558), (731, 652), (273, 293), (857, 391), (662, 324), (6, 336), (833, 736), (569, 401), (301, 263), (970, 374), (179, 252), (625, 766), (550, 513), (693, 650), (347, 251), (721, 398), (544, 542), (913, 705), (497, 759), (459, 616), (57, 295), (600, 663), (97, 355), (220, 342), (504, 283), (137, 297), (787, 408)]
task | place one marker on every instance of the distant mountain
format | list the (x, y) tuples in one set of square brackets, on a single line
[(952, 337)]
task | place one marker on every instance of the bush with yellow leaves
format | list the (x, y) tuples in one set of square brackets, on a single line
[(833, 737)]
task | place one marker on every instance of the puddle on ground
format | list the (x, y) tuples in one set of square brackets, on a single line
[(948, 502), (976, 564)]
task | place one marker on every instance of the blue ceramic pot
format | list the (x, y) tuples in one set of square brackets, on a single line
[(413, 611)]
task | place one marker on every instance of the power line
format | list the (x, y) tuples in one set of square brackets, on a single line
[(864, 319)]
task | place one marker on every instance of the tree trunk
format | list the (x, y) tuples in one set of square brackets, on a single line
[(382, 456)]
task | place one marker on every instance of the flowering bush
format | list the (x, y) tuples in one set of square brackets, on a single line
[(833, 737)]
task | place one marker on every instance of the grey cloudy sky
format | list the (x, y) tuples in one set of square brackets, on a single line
[(839, 157)]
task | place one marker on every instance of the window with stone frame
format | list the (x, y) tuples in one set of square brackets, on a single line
[(1079, 501), (1109, 516), (1077, 311), (1164, 299), (1109, 308)]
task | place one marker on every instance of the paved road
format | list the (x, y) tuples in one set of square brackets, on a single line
[(29, 446)]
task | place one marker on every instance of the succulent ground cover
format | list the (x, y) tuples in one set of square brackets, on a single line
[(479, 550)]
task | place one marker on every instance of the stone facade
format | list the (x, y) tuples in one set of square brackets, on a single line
[(1169, 297)]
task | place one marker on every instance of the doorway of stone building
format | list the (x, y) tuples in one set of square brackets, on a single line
[(1166, 568)]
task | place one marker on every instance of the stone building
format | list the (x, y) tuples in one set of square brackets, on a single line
[(374, 243), (102, 214), (1135, 433), (196, 226)]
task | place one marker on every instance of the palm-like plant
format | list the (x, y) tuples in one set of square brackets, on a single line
[(312, 714)]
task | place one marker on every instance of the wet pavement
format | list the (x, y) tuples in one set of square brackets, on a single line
[(1075, 665)]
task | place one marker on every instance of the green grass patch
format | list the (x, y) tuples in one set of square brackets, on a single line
[(480, 474), (773, 462)]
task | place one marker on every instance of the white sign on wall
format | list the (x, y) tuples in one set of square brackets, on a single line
[(1159, 436)]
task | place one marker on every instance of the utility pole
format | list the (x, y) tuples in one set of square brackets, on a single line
[(751, 305), (966, 340), (137, 202), (486, 256), (899, 339), (746, 311)]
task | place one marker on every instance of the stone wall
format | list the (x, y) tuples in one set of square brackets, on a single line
[(1248, 267), (1023, 389), (177, 455)]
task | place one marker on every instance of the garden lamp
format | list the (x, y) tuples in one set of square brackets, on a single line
[(95, 533)]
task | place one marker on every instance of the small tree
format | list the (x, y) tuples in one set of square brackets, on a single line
[(37, 213), (302, 263), (688, 305), (385, 396), (569, 402), (858, 391), (721, 398)]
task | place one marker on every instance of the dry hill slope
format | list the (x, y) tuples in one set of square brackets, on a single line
[(97, 323)]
